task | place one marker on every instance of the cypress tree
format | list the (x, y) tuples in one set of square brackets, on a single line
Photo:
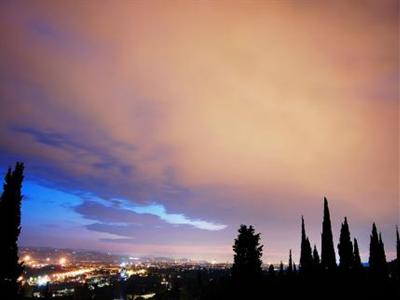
[(281, 268), (316, 260), (357, 258), (328, 259), (345, 247), (397, 245), (397, 253), (374, 249), (248, 252), (290, 266), (10, 228), (377, 258), (306, 259), (382, 255)]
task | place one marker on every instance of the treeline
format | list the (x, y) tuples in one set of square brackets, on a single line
[(349, 254), (316, 276)]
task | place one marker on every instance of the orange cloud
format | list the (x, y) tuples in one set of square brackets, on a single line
[(261, 102)]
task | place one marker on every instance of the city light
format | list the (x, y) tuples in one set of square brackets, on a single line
[(62, 261), (75, 269), (43, 280), (61, 276)]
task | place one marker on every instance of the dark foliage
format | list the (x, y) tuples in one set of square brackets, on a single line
[(397, 266), (328, 258), (10, 228), (306, 259), (345, 247), (316, 260), (397, 244), (357, 259), (247, 257), (350, 281), (271, 270), (377, 258), (246, 269), (290, 264)]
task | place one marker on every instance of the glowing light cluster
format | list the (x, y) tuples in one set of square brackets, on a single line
[(43, 280), (61, 276), (139, 272), (62, 261), (56, 277)]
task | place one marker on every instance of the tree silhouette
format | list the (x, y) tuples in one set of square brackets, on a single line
[(382, 255), (350, 280), (357, 258), (10, 228), (271, 270), (248, 252), (306, 260), (397, 252), (328, 259), (316, 261), (397, 245), (345, 247), (290, 266), (377, 258), (373, 248)]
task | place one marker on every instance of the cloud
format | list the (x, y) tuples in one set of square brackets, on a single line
[(178, 219), (140, 215), (93, 210), (206, 115)]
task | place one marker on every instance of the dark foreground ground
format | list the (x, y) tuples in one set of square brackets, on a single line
[(218, 284)]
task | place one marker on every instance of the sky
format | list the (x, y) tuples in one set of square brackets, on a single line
[(157, 128)]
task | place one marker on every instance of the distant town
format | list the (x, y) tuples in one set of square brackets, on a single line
[(52, 272)]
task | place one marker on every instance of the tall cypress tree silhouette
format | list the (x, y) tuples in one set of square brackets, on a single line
[(290, 266), (316, 261), (373, 248), (397, 268), (357, 258), (397, 245), (306, 260), (382, 255), (10, 228), (328, 259), (248, 252), (345, 247), (377, 258)]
